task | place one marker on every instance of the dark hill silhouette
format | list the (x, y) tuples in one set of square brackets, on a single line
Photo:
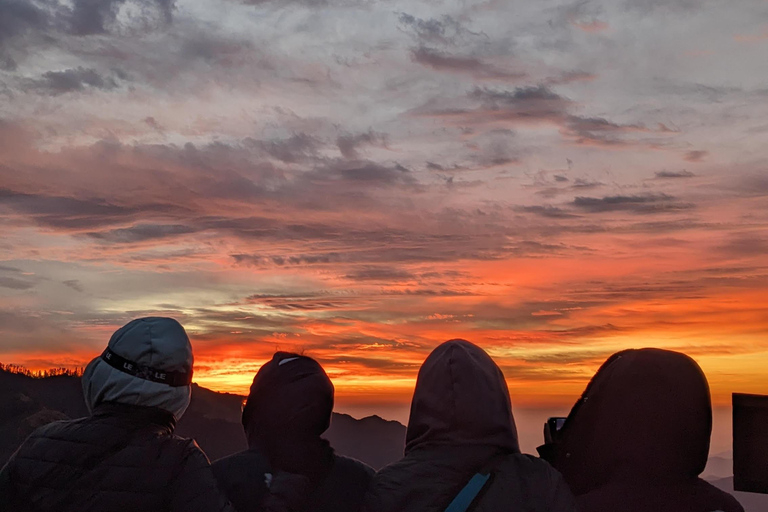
[(213, 419)]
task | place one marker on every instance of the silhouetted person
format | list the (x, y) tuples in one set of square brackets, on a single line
[(638, 438), (124, 457), (461, 424), (288, 408)]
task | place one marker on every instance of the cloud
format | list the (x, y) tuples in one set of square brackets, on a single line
[(444, 31), (696, 156), (72, 80), (89, 17), (141, 233), (674, 174), (15, 284), (65, 212), (641, 203), (74, 284), (549, 211), (349, 144), (380, 274), (476, 67)]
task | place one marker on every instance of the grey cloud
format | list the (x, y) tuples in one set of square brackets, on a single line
[(349, 144), (696, 156), (142, 233), (644, 203), (72, 80), (443, 61), (445, 31), (298, 148), (90, 17), (597, 130), (674, 174), (4, 268), (15, 284), (380, 274), (74, 284), (65, 212), (548, 211)]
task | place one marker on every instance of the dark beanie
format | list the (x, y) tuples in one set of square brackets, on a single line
[(291, 397)]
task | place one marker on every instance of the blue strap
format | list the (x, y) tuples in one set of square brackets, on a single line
[(467, 495)]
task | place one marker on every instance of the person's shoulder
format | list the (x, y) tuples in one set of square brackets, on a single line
[(719, 498), (350, 466), (246, 461)]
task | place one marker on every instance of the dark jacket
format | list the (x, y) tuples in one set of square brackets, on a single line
[(288, 408), (461, 421), (244, 476), (122, 458), (639, 437)]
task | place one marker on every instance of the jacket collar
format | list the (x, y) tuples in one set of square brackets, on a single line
[(136, 415)]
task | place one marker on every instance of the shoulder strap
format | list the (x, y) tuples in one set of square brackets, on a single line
[(467, 496)]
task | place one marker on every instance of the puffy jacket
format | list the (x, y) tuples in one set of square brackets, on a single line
[(122, 458), (288, 408), (461, 422), (244, 477), (639, 436)]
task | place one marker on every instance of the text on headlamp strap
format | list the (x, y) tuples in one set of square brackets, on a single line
[(173, 379)]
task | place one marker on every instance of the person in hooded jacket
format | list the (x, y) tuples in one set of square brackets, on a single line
[(288, 408), (460, 428), (638, 438), (124, 457)]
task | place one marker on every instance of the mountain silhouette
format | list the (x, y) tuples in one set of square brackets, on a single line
[(212, 419)]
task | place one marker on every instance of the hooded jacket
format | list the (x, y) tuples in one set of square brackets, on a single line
[(460, 422), (124, 457), (288, 408), (639, 437)]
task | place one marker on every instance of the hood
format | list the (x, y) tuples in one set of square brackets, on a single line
[(645, 415), (157, 344), (288, 408), (291, 395), (461, 398)]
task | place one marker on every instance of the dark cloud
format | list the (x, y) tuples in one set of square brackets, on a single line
[(642, 203), (72, 80), (65, 212), (349, 144), (379, 274), (674, 174), (597, 130), (443, 61), (551, 212), (89, 17), (142, 233), (586, 183), (444, 31), (298, 148), (74, 284), (696, 156), (15, 284)]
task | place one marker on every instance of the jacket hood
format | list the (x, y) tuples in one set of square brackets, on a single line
[(461, 398), (645, 415), (291, 395), (153, 342)]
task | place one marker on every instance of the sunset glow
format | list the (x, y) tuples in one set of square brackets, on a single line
[(360, 181)]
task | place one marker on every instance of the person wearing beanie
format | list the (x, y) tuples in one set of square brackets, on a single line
[(124, 456), (461, 450), (288, 408)]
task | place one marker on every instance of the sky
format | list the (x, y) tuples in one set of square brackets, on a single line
[(360, 180)]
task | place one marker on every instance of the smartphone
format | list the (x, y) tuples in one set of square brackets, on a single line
[(552, 429), (750, 443)]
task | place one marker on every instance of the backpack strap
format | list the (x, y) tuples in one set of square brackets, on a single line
[(468, 495)]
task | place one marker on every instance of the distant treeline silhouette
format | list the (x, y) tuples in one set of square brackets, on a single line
[(41, 374)]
